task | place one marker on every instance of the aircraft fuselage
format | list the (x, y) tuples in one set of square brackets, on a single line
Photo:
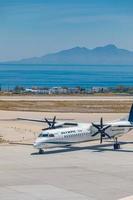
[(81, 133)]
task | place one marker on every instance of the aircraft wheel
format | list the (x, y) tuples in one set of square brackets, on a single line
[(116, 146), (41, 151)]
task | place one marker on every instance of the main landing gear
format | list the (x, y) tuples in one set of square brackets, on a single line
[(116, 144), (41, 151)]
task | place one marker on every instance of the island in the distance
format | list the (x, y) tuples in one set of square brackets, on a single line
[(109, 54)]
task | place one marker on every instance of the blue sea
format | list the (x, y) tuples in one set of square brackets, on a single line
[(85, 76)]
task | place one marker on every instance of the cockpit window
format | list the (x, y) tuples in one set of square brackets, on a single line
[(46, 135), (51, 135), (43, 135)]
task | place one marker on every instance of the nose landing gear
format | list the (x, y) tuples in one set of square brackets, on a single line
[(116, 144), (41, 151)]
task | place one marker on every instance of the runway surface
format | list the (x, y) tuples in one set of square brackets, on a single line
[(81, 173), (84, 172), (66, 98)]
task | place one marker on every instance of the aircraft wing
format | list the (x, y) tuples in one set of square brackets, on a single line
[(32, 120), (125, 126), (59, 122)]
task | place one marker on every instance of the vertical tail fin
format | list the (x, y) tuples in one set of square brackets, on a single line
[(130, 118)]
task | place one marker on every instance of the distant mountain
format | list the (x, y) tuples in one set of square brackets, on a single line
[(108, 54)]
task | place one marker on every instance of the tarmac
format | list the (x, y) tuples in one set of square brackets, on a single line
[(66, 98), (84, 172)]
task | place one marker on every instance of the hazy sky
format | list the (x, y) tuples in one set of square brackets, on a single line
[(37, 27)]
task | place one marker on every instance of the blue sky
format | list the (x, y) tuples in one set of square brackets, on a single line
[(36, 27)]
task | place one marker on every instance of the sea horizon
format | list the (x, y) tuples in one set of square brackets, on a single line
[(52, 75)]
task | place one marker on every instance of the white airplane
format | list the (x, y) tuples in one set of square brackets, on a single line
[(67, 133)]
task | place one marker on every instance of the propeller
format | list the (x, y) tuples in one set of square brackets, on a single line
[(101, 130), (51, 124)]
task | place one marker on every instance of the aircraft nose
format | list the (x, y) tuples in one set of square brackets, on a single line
[(36, 145)]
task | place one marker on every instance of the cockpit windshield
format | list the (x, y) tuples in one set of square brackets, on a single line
[(43, 135), (46, 135)]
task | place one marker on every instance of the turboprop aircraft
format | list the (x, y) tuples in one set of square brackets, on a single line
[(66, 133)]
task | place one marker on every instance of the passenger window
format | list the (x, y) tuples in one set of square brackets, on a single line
[(51, 135)]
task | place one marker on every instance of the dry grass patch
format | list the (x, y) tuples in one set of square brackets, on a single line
[(67, 106)]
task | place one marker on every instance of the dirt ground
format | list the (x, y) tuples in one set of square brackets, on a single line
[(85, 106)]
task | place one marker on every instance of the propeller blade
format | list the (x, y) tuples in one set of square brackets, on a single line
[(101, 122), (53, 123), (101, 130), (48, 122), (107, 135), (95, 134), (106, 127), (101, 138), (96, 126)]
